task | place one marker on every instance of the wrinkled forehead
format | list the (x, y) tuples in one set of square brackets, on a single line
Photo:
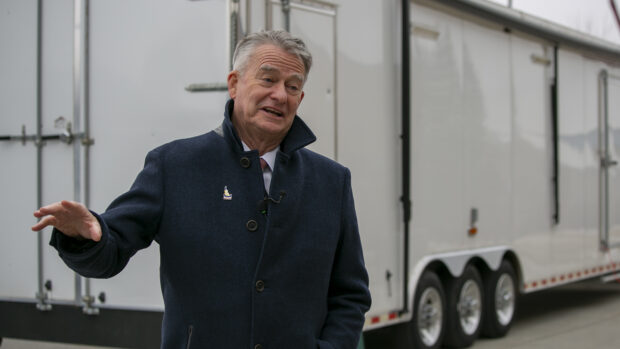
[(270, 57), (287, 74)]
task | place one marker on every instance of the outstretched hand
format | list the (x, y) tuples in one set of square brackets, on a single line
[(71, 218)]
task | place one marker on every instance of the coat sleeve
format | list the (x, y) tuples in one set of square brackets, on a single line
[(129, 224), (349, 297)]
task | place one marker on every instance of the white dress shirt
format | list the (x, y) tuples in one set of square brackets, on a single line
[(270, 158)]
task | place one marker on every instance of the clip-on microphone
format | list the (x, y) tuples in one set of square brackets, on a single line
[(263, 204)]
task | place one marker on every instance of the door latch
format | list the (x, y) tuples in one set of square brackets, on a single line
[(607, 162)]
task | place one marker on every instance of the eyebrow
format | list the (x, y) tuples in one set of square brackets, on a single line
[(266, 68)]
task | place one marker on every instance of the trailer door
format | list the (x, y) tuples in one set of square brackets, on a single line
[(315, 23), (610, 154)]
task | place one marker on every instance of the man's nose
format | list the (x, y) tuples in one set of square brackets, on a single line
[(278, 92)]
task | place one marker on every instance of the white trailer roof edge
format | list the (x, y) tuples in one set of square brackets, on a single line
[(523, 22)]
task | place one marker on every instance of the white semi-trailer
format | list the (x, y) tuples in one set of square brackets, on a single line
[(483, 144)]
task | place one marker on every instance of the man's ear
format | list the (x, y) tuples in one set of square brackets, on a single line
[(233, 79), (301, 97)]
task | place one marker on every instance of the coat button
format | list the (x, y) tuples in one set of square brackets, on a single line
[(245, 162), (258, 346), (260, 285), (251, 225)]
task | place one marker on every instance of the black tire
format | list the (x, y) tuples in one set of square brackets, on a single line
[(429, 312), (501, 302), (465, 309)]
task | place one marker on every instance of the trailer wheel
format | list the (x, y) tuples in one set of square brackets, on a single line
[(465, 305), (501, 303), (428, 322)]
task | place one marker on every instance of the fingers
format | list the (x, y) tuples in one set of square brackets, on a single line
[(71, 218), (47, 210), (45, 222), (70, 205), (63, 213), (46, 214), (63, 206)]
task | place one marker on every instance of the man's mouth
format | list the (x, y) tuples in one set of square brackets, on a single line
[(273, 111)]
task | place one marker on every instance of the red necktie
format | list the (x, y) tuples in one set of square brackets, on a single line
[(263, 164)]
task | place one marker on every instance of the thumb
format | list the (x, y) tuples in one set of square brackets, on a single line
[(94, 231)]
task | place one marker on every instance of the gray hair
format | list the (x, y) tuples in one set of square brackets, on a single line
[(280, 38)]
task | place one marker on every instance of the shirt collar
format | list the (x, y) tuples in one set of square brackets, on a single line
[(270, 157), (298, 136)]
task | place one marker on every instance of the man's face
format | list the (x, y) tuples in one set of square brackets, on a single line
[(267, 94)]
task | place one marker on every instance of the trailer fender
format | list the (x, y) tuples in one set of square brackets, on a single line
[(454, 263)]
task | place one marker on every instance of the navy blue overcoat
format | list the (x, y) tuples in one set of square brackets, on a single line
[(239, 271)]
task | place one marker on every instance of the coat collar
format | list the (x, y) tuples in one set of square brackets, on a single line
[(297, 137)]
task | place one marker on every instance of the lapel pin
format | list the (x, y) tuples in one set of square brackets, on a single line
[(227, 195)]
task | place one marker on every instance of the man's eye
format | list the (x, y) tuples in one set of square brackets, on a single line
[(269, 80), (293, 87)]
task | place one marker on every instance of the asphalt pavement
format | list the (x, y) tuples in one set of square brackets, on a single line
[(583, 315), (577, 316)]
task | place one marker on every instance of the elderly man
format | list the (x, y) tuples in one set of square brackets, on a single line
[(258, 236)]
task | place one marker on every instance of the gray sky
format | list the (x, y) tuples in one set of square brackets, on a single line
[(593, 17)]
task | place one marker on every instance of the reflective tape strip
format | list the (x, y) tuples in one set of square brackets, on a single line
[(575, 275), (380, 319)]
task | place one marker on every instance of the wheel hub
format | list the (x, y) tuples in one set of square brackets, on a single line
[(430, 316), (468, 307), (504, 299)]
